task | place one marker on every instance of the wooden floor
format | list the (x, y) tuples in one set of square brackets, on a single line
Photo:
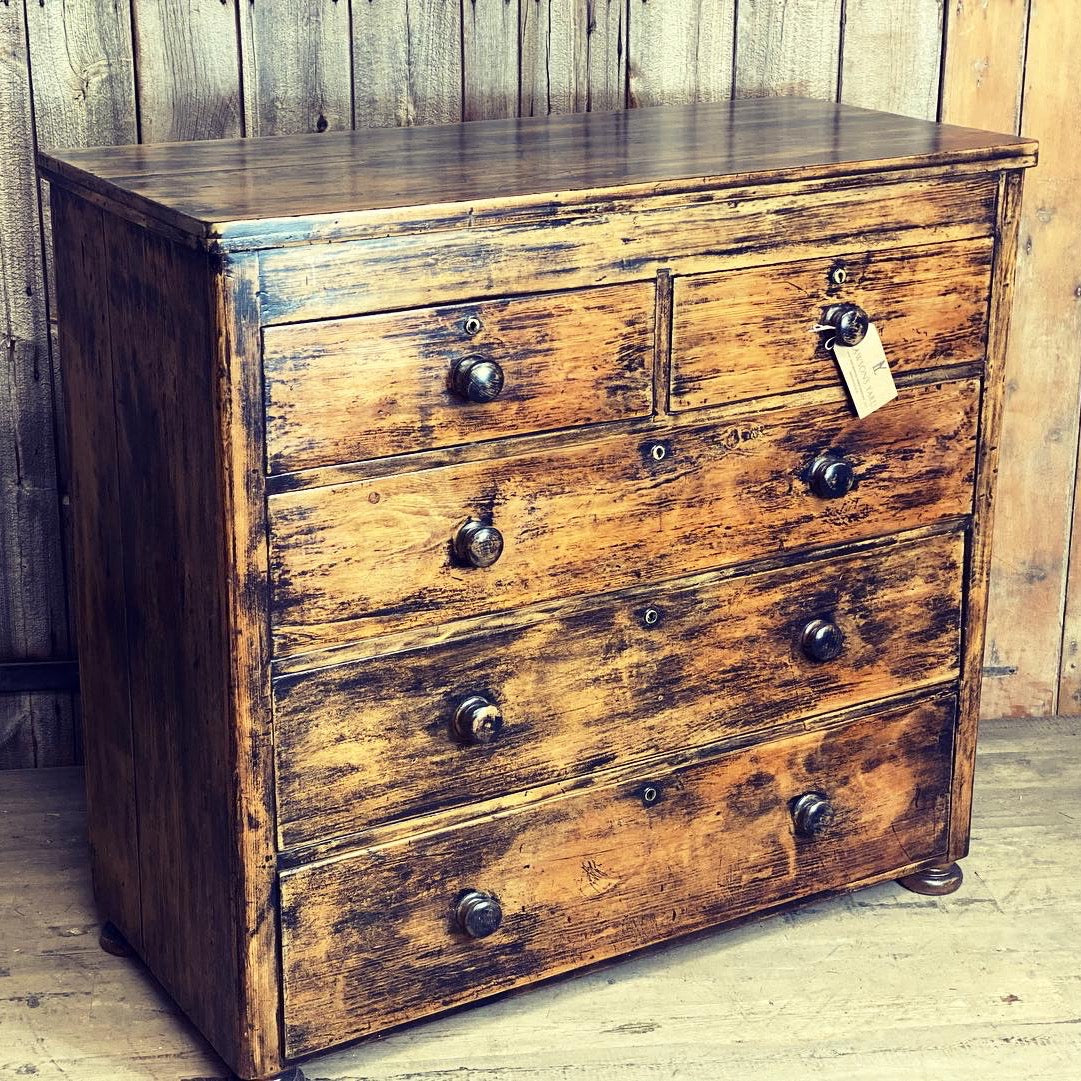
[(874, 986)]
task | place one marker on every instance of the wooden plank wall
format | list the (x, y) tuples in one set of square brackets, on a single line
[(116, 71)]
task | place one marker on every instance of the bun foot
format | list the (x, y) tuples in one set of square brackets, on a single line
[(112, 941), (934, 880)]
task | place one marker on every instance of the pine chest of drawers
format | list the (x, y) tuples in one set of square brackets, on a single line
[(482, 568)]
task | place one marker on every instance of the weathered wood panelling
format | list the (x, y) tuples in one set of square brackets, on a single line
[(571, 516), (360, 743), (297, 74), (574, 56), (568, 360), (681, 50), (371, 939), (217, 67)]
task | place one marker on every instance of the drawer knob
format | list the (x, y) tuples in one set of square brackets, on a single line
[(849, 322), (812, 813), (477, 380), (477, 544), (831, 476), (822, 640), (476, 720), (478, 914)]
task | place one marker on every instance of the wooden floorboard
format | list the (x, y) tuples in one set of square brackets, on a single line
[(873, 986)]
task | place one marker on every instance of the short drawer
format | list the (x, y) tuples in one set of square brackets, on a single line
[(748, 333), (378, 385), (358, 559), (377, 938), (641, 675)]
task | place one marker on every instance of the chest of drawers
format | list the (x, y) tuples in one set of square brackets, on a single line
[(482, 570)]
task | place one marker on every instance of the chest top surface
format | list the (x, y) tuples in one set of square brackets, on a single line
[(249, 192)]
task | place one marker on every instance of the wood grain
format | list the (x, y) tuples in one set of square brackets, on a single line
[(34, 730), (256, 1049), (891, 55), (983, 69), (609, 512), (99, 591), (740, 335), (1026, 611), (362, 743), (568, 359), (489, 59), (156, 552), (296, 67), (980, 554), (574, 56), (684, 234), (237, 192), (370, 941), (407, 62), (681, 51), (71, 1010), (788, 47), (187, 65)]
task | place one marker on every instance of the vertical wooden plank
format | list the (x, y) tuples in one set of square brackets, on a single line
[(1030, 623), (407, 62), (681, 51), (573, 56), (187, 69), (891, 55), (34, 729), (984, 68), (296, 61), (986, 500), (787, 47), (99, 591), (490, 58), (240, 417), (1036, 586)]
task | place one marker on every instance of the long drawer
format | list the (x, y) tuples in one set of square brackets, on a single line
[(379, 385), (358, 559), (380, 937), (680, 666), (749, 332)]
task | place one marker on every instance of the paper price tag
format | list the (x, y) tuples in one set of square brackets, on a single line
[(866, 373)]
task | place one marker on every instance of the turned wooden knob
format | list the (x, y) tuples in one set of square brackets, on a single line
[(477, 379), (477, 544), (478, 914), (830, 476), (822, 640), (476, 720), (812, 813), (849, 322)]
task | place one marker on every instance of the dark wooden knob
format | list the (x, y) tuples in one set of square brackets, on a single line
[(812, 813), (477, 380), (478, 914), (849, 322), (476, 720), (477, 544), (831, 476), (822, 640)]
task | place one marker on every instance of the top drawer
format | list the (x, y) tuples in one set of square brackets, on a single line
[(748, 333), (378, 385)]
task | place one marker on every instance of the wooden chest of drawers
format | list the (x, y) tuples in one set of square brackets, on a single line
[(482, 568)]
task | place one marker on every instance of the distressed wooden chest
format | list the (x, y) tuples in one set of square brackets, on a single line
[(482, 569)]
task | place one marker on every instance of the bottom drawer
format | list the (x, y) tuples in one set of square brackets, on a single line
[(376, 938)]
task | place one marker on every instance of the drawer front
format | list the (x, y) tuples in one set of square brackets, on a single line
[(375, 939), (682, 666), (378, 385), (747, 333), (573, 247), (358, 559)]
